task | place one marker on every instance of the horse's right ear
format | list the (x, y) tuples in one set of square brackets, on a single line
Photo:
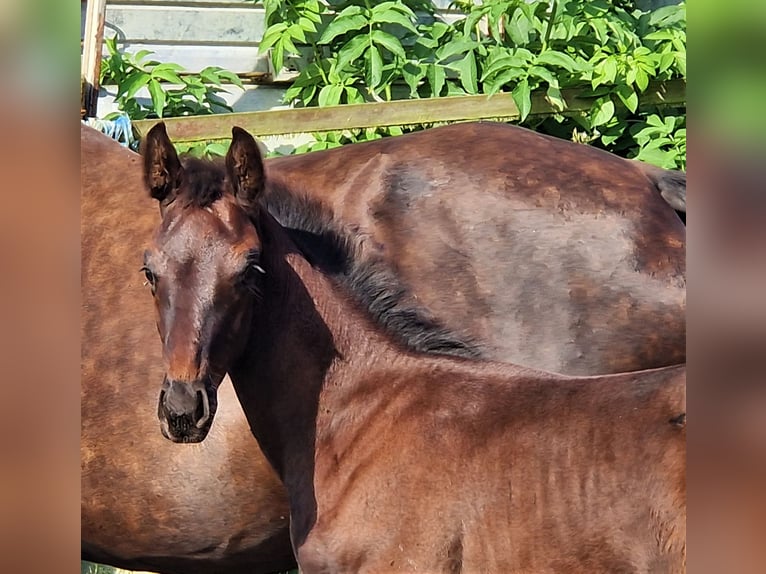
[(244, 166), (162, 168)]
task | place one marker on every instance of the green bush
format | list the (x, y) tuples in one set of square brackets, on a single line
[(356, 50), (197, 94)]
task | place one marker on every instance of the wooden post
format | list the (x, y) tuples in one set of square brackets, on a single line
[(91, 54)]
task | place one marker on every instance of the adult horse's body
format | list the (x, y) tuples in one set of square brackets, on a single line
[(146, 506), (550, 254), (576, 266), (397, 461)]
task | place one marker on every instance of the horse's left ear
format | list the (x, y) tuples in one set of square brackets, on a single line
[(244, 166), (162, 168)]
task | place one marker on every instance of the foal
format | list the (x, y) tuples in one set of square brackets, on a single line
[(394, 460)]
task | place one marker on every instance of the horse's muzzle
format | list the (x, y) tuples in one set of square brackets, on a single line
[(184, 411)]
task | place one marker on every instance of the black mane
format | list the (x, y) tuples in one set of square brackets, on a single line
[(326, 244)]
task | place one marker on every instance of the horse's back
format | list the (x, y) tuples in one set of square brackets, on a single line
[(552, 254)]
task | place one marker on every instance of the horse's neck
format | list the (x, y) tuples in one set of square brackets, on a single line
[(304, 337)]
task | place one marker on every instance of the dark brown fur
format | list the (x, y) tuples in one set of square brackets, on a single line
[(488, 281), (401, 461)]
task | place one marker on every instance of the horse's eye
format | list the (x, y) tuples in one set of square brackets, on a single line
[(151, 278)]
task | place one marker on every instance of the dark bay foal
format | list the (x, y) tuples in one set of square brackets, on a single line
[(395, 460)]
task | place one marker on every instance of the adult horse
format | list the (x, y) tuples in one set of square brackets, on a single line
[(586, 227), (146, 506), (394, 460)]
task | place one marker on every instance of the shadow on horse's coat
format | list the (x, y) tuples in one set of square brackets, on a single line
[(396, 458), (580, 273)]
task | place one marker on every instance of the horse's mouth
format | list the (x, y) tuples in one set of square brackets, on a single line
[(191, 427), (183, 431)]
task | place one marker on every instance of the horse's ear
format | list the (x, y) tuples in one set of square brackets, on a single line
[(162, 168), (244, 167)]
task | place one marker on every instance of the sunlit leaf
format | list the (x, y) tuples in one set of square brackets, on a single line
[(602, 111), (158, 97), (521, 95), (341, 26)]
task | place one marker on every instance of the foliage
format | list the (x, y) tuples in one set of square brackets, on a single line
[(206, 149), (350, 51), (197, 95), (662, 141)]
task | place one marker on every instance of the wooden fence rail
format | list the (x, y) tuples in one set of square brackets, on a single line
[(400, 112)]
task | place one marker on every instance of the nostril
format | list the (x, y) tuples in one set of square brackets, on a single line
[(161, 410), (203, 409)]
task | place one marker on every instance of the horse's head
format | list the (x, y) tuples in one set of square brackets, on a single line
[(203, 268)]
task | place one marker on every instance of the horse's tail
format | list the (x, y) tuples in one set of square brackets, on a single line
[(670, 183)]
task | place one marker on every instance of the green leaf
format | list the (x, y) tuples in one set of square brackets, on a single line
[(609, 69), (602, 111), (308, 24), (141, 54), (231, 77), (352, 50), (466, 69), (292, 93), (558, 59), (170, 66), (599, 29), (555, 99), (330, 95), (296, 31), (657, 157), (503, 78), (544, 74), (286, 42), (436, 76), (350, 10), (278, 56), (660, 35), (642, 80), (134, 83), (376, 67), (270, 37), (353, 96), (210, 76), (158, 97), (111, 45), (412, 74), (667, 16), (521, 95), (389, 42), (628, 97), (454, 47), (342, 25), (396, 6), (469, 26), (216, 149), (519, 28), (503, 64), (394, 17), (168, 76)]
